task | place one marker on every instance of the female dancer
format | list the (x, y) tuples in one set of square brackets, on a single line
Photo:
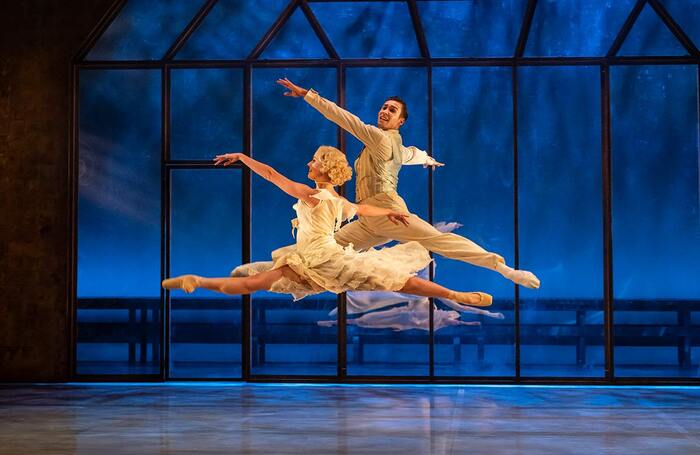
[(317, 263)]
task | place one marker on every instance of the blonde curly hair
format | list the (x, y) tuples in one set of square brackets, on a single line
[(334, 164)]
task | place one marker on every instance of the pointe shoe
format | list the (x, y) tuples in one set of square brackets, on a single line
[(187, 283), (525, 279), (467, 298)]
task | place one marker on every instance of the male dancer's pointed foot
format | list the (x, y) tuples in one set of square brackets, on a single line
[(521, 277), (187, 283), (525, 279), (471, 298)]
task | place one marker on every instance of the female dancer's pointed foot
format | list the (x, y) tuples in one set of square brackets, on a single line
[(187, 283), (471, 298), (525, 279)]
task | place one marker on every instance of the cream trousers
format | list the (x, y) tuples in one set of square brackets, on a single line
[(367, 232)]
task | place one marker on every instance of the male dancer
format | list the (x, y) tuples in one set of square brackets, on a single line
[(377, 174)]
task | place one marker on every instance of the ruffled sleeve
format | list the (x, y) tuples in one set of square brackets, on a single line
[(344, 209), (349, 210)]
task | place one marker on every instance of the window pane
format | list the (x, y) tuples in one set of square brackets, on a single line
[(374, 351), (650, 36), (231, 29), (368, 29), (118, 286), (560, 221), (366, 90), (456, 28), (296, 39), (144, 29), (206, 113), (687, 15), (205, 327), (575, 28), (286, 132), (473, 135), (656, 221)]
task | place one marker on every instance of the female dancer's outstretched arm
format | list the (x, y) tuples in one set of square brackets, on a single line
[(292, 188)]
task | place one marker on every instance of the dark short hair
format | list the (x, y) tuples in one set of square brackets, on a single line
[(404, 107)]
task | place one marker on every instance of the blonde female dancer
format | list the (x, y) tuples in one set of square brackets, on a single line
[(317, 263)]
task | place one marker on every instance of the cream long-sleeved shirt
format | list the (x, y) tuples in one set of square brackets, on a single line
[(377, 167)]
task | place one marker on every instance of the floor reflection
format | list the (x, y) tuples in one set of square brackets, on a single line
[(274, 418)]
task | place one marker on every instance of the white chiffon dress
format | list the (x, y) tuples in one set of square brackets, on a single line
[(324, 265)]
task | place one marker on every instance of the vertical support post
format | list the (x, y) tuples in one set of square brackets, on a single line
[(607, 223), (342, 298), (246, 195), (72, 263), (164, 316), (431, 310), (516, 225)]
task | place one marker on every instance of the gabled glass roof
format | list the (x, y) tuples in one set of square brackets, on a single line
[(231, 29), (368, 29)]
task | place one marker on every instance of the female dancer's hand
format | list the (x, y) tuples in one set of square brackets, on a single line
[(294, 90), (396, 218), (227, 159)]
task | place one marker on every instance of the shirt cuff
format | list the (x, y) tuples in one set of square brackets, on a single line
[(312, 97)]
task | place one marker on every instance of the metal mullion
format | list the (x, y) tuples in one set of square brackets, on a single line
[(606, 171), (431, 270), (199, 164), (418, 29), (318, 29), (626, 27), (296, 63), (121, 64), (525, 28), (674, 27), (342, 298), (217, 64), (273, 30), (411, 62), (165, 224), (72, 263), (99, 29), (246, 196), (516, 224), (651, 60), (189, 30)]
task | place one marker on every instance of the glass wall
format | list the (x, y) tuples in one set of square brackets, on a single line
[(118, 225), (560, 221), (373, 351), (473, 136), (205, 239), (656, 220), (287, 339), (523, 142)]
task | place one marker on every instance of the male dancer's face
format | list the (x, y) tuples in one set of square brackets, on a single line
[(389, 116)]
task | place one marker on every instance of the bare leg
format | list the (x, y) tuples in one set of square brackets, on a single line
[(425, 288), (230, 285)]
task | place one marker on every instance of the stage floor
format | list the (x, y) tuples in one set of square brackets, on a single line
[(276, 419)]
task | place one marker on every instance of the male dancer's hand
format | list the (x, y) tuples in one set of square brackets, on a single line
[(396, 218), (294, 90)]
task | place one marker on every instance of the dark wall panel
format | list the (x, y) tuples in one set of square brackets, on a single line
[(34, 118)]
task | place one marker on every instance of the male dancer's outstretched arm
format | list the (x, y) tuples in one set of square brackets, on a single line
[(369, 135)]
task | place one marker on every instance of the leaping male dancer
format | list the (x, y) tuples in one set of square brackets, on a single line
[(377, 175)]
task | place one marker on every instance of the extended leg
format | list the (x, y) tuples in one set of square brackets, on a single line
[(425, 288), (450, 245), (230, 285)]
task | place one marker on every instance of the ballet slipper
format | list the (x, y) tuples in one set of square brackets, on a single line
[(525, 279), (520, 277), (187, 283), (467, 298)]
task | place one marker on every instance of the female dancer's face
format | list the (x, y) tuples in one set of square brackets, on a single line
[(315, 173)]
